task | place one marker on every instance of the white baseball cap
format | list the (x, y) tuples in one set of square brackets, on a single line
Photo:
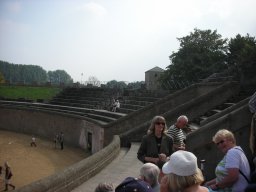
[(182, 163)]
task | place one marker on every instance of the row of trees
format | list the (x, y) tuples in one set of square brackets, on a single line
[(113, 84), (30, 74), (204, 52), (122, 85)]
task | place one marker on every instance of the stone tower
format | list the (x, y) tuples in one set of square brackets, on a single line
[(152, 77)]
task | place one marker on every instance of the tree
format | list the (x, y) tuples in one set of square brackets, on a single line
[(2, 80), (201, 53), (136, 85), (59, 76), (242, 57), (17, 73), (94, 81), (116, 84)]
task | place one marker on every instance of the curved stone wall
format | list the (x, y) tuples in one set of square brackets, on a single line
[(78, 173), (46, 124)]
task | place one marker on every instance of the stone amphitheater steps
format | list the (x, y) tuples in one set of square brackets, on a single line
[(100, 117), (133, 107), (125, 165), (72, 104), (140, 103), (124, 110), (218, 109)]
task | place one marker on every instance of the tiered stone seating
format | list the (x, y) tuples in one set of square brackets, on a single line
[(135, 102), (93, 98), (97, 102)]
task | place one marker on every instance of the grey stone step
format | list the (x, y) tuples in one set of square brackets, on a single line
[(100, 117), (125, 165), (216, 110)]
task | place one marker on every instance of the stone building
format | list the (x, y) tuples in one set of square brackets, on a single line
[(152, 77)]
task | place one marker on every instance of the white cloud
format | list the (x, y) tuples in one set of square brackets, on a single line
[(94, 8)]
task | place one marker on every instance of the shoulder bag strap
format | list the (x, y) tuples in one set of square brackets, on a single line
[(239, 169), (244, 176)]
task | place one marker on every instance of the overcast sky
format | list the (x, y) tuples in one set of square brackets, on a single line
[(112, 39)]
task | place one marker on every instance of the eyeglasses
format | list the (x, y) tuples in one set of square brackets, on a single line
[(220, 142), (160, 123)]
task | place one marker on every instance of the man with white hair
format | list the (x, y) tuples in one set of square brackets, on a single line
[(175, 131), (149, 172)]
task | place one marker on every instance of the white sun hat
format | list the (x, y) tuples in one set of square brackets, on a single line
[(182, 163)]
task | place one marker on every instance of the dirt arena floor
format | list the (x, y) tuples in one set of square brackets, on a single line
[(28, 163)]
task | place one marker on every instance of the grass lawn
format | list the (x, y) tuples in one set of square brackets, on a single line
[(26, 92)]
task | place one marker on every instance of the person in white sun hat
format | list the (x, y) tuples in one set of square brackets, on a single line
[(182, 174)]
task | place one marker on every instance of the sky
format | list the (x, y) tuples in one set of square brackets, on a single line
[(112, 39)]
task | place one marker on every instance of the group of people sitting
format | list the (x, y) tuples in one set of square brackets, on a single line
[(115, 105), (168, 167)]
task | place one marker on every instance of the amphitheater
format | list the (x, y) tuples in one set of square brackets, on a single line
[(113, 138)]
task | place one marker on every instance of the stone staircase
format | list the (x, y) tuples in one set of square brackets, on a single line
[(218, 111)]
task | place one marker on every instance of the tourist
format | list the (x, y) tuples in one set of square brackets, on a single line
[(149, 172), (176, 132), (182, 174), (116, 105), (61, 139), (252, 185), (252, 108), (104, 187), (1, 178), (233, 170), (131, 184), (112, 104), (156, 146), (8, 176), (56, 140), (33, 142)]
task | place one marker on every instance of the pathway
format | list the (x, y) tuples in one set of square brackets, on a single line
[(125, 165)]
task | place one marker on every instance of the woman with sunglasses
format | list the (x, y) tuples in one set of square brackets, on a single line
[(156, 146), (233, 170)]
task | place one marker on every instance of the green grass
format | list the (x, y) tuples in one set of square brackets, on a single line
[(26, 92)]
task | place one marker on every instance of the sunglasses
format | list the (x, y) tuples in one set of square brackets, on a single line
[(160, 123), (220, 142)]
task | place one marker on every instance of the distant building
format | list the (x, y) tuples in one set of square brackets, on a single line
[(152, 77)]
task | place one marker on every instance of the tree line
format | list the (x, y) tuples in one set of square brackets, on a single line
[(204, 52), (31, 74)]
